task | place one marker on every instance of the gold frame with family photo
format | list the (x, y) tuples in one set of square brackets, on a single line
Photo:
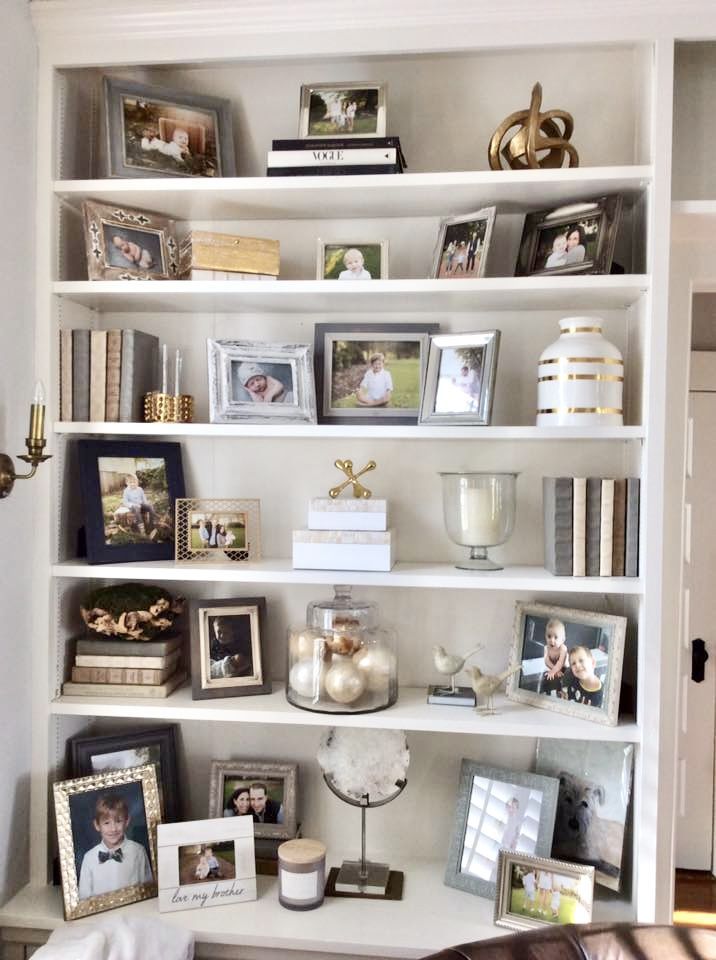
[(597, 638), (240, 517), (157, 132), (233, 630), (510, 913), (571, 227), (463, 394), (311, 127), (82, 798), (126, 244), (464, 231), (229, 780), (282, 376), (374, 255)]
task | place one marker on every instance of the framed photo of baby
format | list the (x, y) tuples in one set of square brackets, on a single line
[(537, 891), (345, 110), (571, 661), (106, 828), (463, 243), (348, 261), (126, 244), (263, 791), (155, 132), (227, 648)]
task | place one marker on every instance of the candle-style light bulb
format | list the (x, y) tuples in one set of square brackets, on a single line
[(39, 395), (37, 414), (164, 368)]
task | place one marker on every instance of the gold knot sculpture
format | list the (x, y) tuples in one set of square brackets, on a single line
[(538, 133), (358, 489)]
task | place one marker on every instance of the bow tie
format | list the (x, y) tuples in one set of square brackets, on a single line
[(116, 855)]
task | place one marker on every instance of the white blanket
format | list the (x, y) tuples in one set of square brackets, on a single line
[(115, 937)]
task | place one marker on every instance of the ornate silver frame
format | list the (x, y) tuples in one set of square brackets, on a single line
[(221, 770), (487, 214), (503, 917)]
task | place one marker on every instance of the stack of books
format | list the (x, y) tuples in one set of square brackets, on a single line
[(125, 668), (295, 158), (591, 526), (345, 535), (104, 374)]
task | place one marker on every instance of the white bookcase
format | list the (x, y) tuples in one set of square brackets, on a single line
[(453, 74)]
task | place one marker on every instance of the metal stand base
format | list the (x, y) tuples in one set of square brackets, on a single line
[(373, 881)]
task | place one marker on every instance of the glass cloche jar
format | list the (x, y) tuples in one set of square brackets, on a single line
[(342, 661)]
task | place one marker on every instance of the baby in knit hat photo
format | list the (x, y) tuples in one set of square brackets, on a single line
[(263, 383)]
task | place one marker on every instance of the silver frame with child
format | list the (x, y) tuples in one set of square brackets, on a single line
[(143, 780), (284, 372), (478, 353), (246, 772), (564, 692)]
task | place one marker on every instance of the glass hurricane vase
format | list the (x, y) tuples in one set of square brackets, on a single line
[(479, 512)]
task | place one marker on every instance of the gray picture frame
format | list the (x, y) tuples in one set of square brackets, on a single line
[(250, 770), (469, 770), (486, 340), (226, 357), (117, 165)]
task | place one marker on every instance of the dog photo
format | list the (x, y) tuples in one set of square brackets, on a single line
[(593, 802)]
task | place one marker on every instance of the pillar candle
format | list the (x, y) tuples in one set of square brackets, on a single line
[(480, 525)]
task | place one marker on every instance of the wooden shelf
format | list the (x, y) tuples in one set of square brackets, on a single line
[(421, 575), (411, 712), (379, 195), (347, 431), (430, 917)]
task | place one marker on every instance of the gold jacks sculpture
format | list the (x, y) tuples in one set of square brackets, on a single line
[(352, 478), (538, 142)]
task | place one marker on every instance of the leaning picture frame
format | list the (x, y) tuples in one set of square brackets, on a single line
[(460, 379), (257, 382), (228, 648), (129, 491), (118, 751), (497, 809), (463, 245), (127, 244), (97, 817), (578, 238), (346, 111), (159, 132), (266, 791), (214, 531), (535, 892), (352, 259), (371, 373), (584, 679)]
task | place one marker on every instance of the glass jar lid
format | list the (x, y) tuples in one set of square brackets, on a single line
[(342, 612)]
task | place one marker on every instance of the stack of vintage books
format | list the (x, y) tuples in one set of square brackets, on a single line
[(591, 526), (104, 374), (125, 668), (352, 155), (204, 255), (345, 535)]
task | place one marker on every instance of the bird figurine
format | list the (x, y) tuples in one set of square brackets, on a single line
[(486, 685), (450, 664)]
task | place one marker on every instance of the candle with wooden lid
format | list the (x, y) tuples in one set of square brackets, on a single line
[(301, 874)]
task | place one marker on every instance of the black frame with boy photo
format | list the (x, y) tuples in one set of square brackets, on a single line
[(129, 512), (228, 650), (571, 661)]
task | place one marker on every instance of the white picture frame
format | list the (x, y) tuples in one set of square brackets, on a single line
[(180, 849)]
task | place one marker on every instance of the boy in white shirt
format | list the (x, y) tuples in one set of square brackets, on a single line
[(354, 264), (116, 861), (376, 387)]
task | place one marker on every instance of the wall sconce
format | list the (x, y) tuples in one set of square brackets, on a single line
[(35, 444)]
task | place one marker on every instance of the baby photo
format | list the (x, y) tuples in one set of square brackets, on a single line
[(132, 248), (341, 112), (135, 500), (169, 138), (459, 380), (214, 531), (262, 382), (567, 246), (199, 862), (229, 645), (357, 261)]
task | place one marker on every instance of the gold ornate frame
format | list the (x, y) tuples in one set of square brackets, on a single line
[(185, 553), (74, 907)]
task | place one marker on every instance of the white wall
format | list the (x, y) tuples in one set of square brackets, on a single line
[(17, 165)]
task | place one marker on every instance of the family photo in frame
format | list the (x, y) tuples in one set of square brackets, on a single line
[(537, 891), (342, 110), (264, 792), (463, 243), (213, 531)]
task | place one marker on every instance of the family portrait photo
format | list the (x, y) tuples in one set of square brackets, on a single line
[(227, 648), (568, 244), (134, 248), (217, 531), (263, 792), (260, 800), (135, 500), (262, 381), (352, 110), (199, 862), (533, 891), (352, 261), (569, 659), (462, 245)]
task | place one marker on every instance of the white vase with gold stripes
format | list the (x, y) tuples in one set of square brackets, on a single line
[(580, 378)]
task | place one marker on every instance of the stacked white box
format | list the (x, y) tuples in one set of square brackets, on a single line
[(345, 535), (356, 514)]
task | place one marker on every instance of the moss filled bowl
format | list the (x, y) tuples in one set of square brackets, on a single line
[(131, 611)]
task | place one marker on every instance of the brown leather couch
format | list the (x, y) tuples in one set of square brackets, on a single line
[(598, 941)]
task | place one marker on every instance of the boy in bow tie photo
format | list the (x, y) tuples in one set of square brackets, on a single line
[(116, 861)]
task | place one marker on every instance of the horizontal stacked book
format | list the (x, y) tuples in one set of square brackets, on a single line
[(345, 535), (349, 156), (125, 668), (104, 374), (205, 255), (591, 526)]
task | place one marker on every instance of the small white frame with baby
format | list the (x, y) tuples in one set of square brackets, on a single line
[(205, 863), (126, 244), (352, 260), (106, 831), (571, 661), (540, 892), (257, 382)]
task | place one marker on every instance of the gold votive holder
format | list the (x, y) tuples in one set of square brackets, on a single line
[(168, 407)]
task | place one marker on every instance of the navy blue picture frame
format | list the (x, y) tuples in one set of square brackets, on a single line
[(89, 454)]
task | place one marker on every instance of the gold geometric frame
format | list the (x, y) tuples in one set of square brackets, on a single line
[(73, 906), (185, 507)]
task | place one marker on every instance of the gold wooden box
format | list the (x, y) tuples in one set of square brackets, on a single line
[(205, 250)]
